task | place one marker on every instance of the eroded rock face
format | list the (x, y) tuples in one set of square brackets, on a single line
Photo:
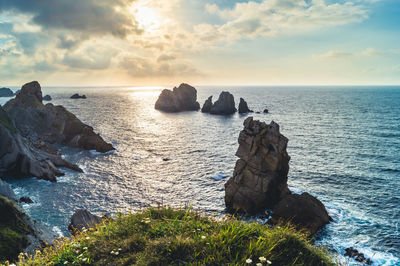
[(260, 177), (304, 211), (83, 219), (183, 98), (243, 108), (225, 105), (207, 105), (51, 124)]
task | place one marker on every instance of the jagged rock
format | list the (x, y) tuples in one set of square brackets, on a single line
[(303, 211), (51, 124), (26, 200), (358, 256), (260, 177), (207, 105), (6, 191), (47, 98), (83, 219), (183, 98), (6, 92), (19, 232), (19, 158), (225, 105), (243, 108), (266, 111), (77, 96)]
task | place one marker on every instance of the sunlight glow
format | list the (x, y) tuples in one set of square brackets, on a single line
[(148, 18)]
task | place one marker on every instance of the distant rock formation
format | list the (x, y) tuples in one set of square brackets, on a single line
[(77, 96), (243, 108), (225, 105), (6, 92), (266, 111), (50, 124), (47, 98), (303, 210), (183, 98), (83, 219), (260, 177), (207, 105)]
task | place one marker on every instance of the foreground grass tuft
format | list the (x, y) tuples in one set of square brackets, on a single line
[(175, 237)]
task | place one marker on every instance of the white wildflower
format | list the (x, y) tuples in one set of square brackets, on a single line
[(87, 238), (262, 259), (65, 262), (248, 261), (269, 262), (85, 248), (203, 237), (259, 264)]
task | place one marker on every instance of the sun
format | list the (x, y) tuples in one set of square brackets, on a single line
[(147, 17)]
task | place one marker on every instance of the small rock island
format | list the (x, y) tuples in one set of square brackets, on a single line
[(183, 98)]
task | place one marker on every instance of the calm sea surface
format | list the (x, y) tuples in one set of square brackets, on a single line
[(344, 143)]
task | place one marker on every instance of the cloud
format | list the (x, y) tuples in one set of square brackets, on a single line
[(90, 16), (369, 52), (271, 17)]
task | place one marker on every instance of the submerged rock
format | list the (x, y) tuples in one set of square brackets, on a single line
[(26, 200), (51, 124), (77, 96), (207, 105), (183, 98), (304, 211), (225, 105), (47, 98), (243, 108), (83, 219), (6, 92), (260, 177)]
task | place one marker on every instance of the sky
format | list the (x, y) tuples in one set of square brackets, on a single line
[(201, 42)]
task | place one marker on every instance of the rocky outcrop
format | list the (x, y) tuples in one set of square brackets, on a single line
[(26, 200), (243, 108), (50, 124), (304, 211), (207, 105), (266, 111), (47, 98), (260, 177), (6, 191), (183, 98), (77, 96), (19, 233), (6, 92), (225, 105), (18, 157), (83, 219), (358, 256)]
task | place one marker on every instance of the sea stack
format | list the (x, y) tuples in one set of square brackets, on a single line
[(6, 92), (183, 98), (207, 105), (243, 108), (225, 105)]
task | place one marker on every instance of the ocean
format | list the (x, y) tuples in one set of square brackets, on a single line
[(344, 144)]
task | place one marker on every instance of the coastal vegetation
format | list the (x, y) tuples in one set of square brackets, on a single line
[(166, 236)]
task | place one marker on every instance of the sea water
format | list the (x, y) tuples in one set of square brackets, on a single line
[(344, 144)]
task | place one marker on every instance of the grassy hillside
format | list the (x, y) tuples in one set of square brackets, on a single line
[(175, 237)]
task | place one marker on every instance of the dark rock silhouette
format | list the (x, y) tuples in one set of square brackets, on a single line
[(83, 219), (243, 108), (26, 200), (77, 96), (47, 98), (260, 177), (207, 105), (183, 98), (50, 124), (358, 256), (304, 211), (225, 105), (6, 92), (266, 111)]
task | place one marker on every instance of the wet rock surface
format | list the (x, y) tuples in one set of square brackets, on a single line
[(182, 98), (358, 256), (83, 219), (304, 211)]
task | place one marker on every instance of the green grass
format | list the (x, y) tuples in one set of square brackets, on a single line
[(166, 236), (13, 230), (6, 121)]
